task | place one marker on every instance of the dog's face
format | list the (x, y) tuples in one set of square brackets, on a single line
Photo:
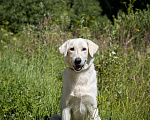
[(78, 53)]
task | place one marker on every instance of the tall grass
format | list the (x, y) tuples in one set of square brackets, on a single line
[(30, 87), (30, 71)]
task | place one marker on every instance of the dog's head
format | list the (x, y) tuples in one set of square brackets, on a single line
[(78, 53)]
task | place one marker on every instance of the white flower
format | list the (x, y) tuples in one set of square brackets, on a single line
[(113, 53), (14, 38), (115, 57)]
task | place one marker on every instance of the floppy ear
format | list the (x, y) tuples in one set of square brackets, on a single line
[(92, 47), (64, 48)]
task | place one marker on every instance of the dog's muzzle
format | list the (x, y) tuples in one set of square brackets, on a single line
[(78, 66)]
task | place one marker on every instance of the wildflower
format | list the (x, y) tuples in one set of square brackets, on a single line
[(130, 48), (130, 95), (14, 38), (77, 21), (87, 18), (137, 9), (6, 23), (137, 29), (113, 53), (91, 21), (84, 28), (13, 115), (11, 33), (116, 57), (5, 109), (124, 3), (6, 34)]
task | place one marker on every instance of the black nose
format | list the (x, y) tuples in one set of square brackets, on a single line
[(77, 61)]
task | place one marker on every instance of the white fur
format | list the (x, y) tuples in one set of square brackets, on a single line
[(79, 97)]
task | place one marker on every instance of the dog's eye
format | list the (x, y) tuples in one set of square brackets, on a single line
[(71, 49), (84, 49)]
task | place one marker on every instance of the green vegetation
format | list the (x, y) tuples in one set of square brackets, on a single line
[(31, 65)]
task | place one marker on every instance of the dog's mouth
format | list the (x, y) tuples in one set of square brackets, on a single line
[(78, 67)]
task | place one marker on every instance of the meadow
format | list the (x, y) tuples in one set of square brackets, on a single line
[(31, 66)]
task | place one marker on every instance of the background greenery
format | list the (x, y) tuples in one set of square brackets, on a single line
[(31, 65)]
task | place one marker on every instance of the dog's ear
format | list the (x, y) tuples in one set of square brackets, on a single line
[(92, 47), (64, 48)]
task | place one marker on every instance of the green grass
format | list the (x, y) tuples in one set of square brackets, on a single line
[(124, 86), (31, 86)]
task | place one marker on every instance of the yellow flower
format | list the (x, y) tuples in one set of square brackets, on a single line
[(91, 21), (6, 23), (137, 9), (124, 3), (137, 29), (84, 28), (77, 21), (130, 48), (5, 109), (87, 18)]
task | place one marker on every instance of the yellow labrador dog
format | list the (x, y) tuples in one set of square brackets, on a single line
[(79, 97)]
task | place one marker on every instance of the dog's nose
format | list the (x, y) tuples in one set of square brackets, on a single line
[(77, 61)]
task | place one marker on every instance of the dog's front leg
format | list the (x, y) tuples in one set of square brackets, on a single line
[(95, 114), (66, 114)]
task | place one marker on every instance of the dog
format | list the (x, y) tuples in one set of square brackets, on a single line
[(79, 96)]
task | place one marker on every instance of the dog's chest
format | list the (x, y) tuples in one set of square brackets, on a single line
[(80, 86)]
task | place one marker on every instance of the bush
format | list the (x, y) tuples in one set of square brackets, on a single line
[(131, 28), (20, 13)]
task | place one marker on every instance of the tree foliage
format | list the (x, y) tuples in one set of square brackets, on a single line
[(18, 13)]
